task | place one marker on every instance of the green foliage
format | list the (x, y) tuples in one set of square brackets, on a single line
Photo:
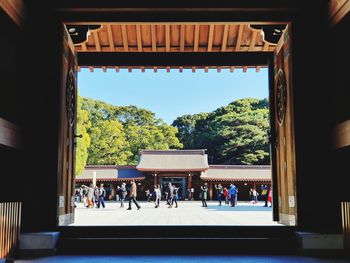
[(83, 123), (108, 144), (235, 134), (119, 133)]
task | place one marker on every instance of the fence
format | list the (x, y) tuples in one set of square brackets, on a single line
[(345, 211), (10, 221)]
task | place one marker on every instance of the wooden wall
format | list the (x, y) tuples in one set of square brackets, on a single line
[(321, 95)]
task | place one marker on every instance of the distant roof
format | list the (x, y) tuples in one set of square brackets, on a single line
[(237, 173), (110, 173), (173, 160)]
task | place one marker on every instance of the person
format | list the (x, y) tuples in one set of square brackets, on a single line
[(90, 196), (170, 191), (122, 194), (148, 195), (251, 200), (233, 194), (132, 195), (101, 196), (255, 196), (204, 194), (157, 195), (269, 197), (264, 193), (219, 192), (175, 196), (225, 193)]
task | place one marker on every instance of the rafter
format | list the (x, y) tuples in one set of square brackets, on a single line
[(155, 69), (210, 38), (224, 38), (110, 37), (182, 38), (196, 38), (193, 69), (265, 48), (139, 38), (218, 69), (143, 69), (206, 69), (91, 69), (245, 69), (83, 46), (125, 38), (167, 38), (104, 69), (253, 41), (117, 69), (154, 38), (168, 69), (97, 41), (232, 69), (181, 69), (239, 37)]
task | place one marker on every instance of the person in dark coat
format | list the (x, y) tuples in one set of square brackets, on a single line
[(204, 194), (122, 194), (170, 192), (132, 195)]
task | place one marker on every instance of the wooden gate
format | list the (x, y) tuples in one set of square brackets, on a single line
[(66, 148), (284, 128)]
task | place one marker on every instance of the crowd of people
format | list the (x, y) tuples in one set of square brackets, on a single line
[(94, 196)]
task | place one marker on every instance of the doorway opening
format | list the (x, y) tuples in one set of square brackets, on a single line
[(178, 59)]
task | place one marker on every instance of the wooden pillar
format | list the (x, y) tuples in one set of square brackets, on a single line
[(189, 186), (210, 190), (155, 179)]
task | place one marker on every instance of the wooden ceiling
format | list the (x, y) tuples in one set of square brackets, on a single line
[(176, 38)]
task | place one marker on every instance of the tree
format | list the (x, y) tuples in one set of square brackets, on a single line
[(234, 134), (108, 144), (83, 143)]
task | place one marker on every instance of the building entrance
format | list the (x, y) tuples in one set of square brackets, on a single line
[(179, 182)]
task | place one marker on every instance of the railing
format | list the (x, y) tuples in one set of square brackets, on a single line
[(345, 211), (10, 221)]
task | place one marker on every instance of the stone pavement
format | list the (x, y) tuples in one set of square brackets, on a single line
[(188, 213)]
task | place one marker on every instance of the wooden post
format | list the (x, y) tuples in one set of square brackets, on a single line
[(210, 190), (155, 180), (190, 186)]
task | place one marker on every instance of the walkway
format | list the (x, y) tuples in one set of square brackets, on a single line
[(188, 213)]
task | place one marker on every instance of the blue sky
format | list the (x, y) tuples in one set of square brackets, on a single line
[(170, 95)]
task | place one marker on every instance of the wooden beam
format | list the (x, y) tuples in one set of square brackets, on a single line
[(218, 69), (189, 59), (182, 38), (210, 37), (97, 41), (154, 38), (245, 69), (129, 69), (341, 135), (117, 69), (143, 69), (239, 37), (14, 9), (168, 69), (196, 38), (167, 38), (139, 38), (10, 134), (232, 69), (206, 69), (125, 38), (79, 69), (253, 41), (181, 69), (91, 69), (83, 46), (265, 48), (110, 37), (104, 69), (193, 69), (155, 69), (224, 38)]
